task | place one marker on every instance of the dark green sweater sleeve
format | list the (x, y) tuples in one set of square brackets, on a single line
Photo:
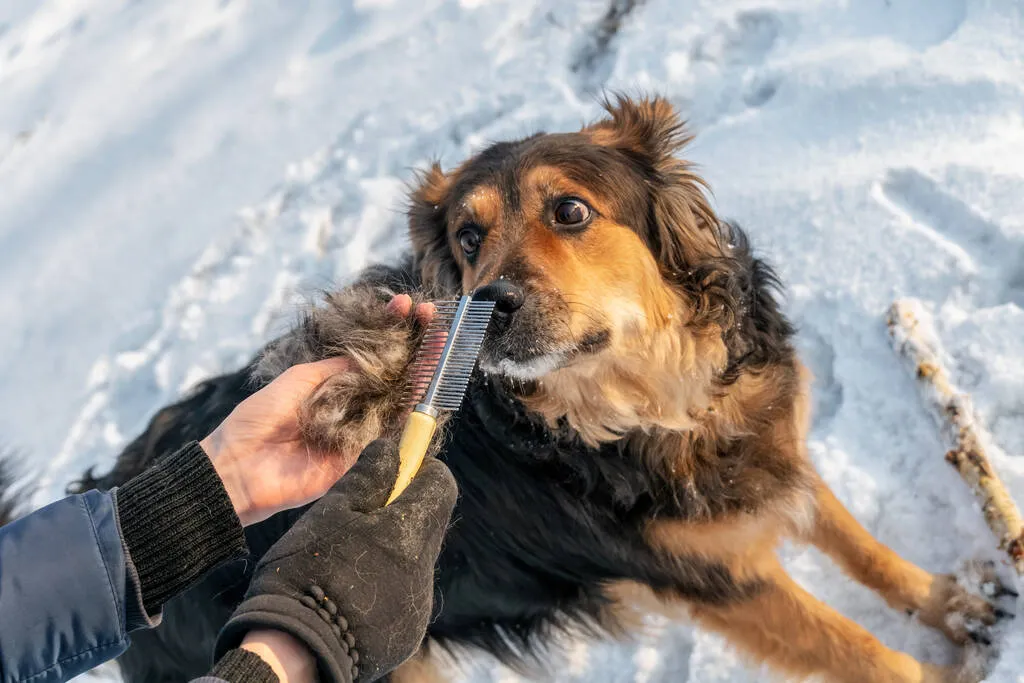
[(177, 523)]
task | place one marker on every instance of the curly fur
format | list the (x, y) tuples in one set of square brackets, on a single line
[(349, 410)]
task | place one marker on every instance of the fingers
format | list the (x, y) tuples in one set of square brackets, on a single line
[(316, 372), (368, 484), (425, 313), (401, 305)]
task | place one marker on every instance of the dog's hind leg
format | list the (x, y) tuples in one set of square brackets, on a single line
[(939, 600)]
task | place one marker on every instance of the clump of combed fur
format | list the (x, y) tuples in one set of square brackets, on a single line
[(351, 409)]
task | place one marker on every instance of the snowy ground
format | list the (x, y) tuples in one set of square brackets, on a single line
[(872, 148)]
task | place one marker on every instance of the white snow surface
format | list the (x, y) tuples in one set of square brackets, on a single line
[(175, 176)]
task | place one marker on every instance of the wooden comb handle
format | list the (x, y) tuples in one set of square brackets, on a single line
[(416, 436)]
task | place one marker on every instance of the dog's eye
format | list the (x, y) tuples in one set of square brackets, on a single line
[(571, 212), (469, 239)]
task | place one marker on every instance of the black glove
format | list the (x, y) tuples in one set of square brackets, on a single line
[(354, 580)]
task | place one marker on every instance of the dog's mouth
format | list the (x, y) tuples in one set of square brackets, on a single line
[(524, 357), (526, 370)]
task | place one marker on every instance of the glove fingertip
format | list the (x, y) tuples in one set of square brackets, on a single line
[(433, 485), (378, 460), (368, 484)]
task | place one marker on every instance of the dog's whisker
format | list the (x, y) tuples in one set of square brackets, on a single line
[(593, 313), (585, 311)]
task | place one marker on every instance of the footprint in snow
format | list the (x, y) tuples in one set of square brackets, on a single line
[(991, 262)]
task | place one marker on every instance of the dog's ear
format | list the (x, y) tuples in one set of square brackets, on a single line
[(682, 229), (692, 246), (428, 231)]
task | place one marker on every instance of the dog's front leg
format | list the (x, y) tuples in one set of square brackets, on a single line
[(750, 600), (939, 600), (790, 630)]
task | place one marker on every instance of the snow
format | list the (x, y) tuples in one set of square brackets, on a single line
[(873, 149)]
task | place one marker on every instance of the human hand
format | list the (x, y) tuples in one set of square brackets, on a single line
[(353, 579), (258, 451)]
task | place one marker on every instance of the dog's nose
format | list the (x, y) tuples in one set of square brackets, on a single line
[(507, 296)]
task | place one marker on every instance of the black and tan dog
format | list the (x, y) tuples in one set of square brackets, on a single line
[(635, 441)]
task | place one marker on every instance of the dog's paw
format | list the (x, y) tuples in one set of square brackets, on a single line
[(965, 606), (976, 662)]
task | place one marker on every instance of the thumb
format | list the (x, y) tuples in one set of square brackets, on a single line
[(324, 369), (368, 484), (296, 383)]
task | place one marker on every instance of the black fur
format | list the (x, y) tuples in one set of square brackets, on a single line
[(758, 334)]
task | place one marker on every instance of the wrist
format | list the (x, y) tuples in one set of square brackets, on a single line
[(233, 480), (290, 660), (241, 666), (177, 523)]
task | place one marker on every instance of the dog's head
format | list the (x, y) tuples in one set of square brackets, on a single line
[(590, 242)]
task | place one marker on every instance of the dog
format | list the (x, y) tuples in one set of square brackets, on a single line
[(632, 443)]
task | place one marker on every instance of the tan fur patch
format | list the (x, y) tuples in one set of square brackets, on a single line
[(482, 205), (645, 382)]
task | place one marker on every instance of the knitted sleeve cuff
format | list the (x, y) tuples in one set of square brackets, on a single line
[(177, 524), (242, 666)]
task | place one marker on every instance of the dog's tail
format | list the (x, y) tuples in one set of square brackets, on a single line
[(14, 494)]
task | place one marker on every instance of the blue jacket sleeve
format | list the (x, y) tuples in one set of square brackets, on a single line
[(78, 575), (62, 590)]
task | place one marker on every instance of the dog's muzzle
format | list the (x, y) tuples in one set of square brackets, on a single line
[(508, 298)]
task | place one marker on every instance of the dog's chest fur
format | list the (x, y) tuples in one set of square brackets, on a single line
[(544, 524)]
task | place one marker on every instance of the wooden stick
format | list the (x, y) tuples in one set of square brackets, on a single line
[(912, 337)]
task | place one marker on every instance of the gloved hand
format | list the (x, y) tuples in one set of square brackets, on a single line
[(352, 579)]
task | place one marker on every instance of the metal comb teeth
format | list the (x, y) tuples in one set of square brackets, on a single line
[(447, 356)]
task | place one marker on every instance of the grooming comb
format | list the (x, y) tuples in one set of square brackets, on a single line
[(439, 376)]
